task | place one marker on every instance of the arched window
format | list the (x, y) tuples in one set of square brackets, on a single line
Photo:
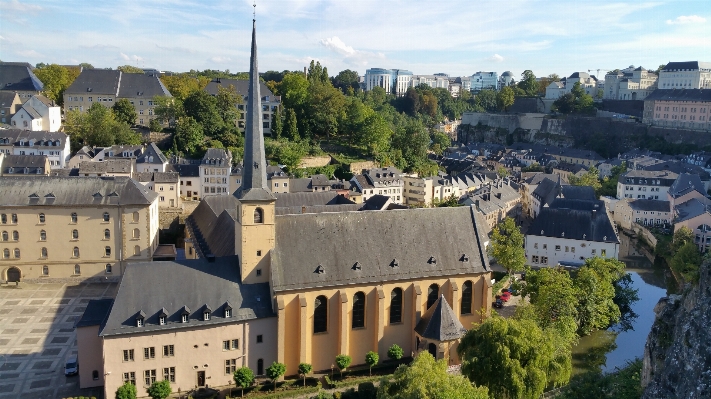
[(75, 252), (106, 217), (467, 298), (5, 237), (15, 236), (3, 218), (75, 234), (74, 217), (432, 295), (358, 319), (396, 306), (45, 270), (6, 253), (77, 270), (258, 215), (43, 252), (260, 367), (14, 218), (107, 234), (136, 233), (321, 314), (137, 250), (43, 235), (17, 253), (41, 217), (135, 216)]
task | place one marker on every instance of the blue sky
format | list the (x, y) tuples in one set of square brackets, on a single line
[(451, 36)]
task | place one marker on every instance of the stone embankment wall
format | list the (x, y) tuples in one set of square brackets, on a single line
[(315, 162), (357, 167)]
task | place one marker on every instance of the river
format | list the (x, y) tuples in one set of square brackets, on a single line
[(614, 347)]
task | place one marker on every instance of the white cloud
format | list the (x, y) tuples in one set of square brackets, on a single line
[(29, 53), (137, 58), (351, 55), (220, 60), (15, 5), (125, 57), (496, 58), (686, 19)]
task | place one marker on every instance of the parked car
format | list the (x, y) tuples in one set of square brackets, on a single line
[(72, 366), (499, 303), (505, 296)]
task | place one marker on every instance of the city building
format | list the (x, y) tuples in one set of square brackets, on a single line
[(108, 167), (484, 80), (29, 165), (82, 227), (26, 142), (108, 86), (380, 181), (215, 170), (589, 84), (695, 214), (507, 79), (436, 81), (395, 81), (38, 113), (629, 84), (685, 75), (18, 77), (290, 288), (189, 175), (645, 184), (9, 104), (644, 212), (422, 191), (679, 108), (165, 184), (686, 187), (496, 201), (270, 102), (569, 231)]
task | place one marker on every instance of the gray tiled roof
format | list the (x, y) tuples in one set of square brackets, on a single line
[(15, 76), (578, 192), (440, 323), (679, 65), (42, 138), (71, 191), (217, 157), (680, 95), (285, 200), (6, 98), (650, 205), (686, 183), (150, 287), (141, 85), (212, 224), (23, 161), (573, 223), (689, 210), (546, 191), (391, 245), (96, 81), (96, 313), (187, 170), (106, 166), (296, 210), (152, 150)]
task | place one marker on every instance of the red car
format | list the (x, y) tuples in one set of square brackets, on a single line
[(505, 296)]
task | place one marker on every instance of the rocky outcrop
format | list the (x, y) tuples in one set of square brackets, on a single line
[(677, 355)]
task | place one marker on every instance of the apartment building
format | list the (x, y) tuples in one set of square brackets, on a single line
[(215, 171), (25, 165), (25, 142), (38, 113), (18, 77), (395, 81), (645, 184), (423, 191), (166, 184), (380, 181), (629, 84), (9, 104), (270, 103), (679, 108), (81, 227), (588, 83), (484, 80), (645, 212), (685, 75)]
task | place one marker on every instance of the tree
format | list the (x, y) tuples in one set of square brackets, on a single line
[(507, 245), (411, 101), (343, 361), (244, 377), (126, 391), (505, 98), (291, 128), (130, 69), (440, 142), (124, 111), (168, 109), (275, 371), (682, 236), (686, 261), (180, 86), (528, 83), (56, 79), (159, 389), (227, 101), (277, 123), (577, 101), (346, 79), (428, 378), (395, 352), (590, 178), (512, 357), (486, 99), (534, 167), (154, 125), (98, 127), (203, 108), (412, 140), (594, 283), (304, 369), (188, 137), (502, 172), (371, 359)]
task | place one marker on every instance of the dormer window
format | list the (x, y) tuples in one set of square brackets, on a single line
[(206, 315), (228, 313), (184, 318), (140, 319), (161, 320)]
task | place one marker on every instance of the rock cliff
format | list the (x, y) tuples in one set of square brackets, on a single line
[(677, 355)]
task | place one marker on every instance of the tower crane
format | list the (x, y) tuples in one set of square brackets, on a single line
[(598, 71)]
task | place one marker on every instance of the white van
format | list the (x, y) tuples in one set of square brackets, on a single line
[(72, 366)]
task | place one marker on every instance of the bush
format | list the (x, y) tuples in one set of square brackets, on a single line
[(395, 352), (367, 390), (350, 394)]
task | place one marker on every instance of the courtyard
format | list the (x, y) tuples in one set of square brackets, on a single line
[(37, 336)]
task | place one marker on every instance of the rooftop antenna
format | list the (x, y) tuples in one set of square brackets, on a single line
[(254, 12)]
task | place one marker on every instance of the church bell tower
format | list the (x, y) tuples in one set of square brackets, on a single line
[(254, 230)]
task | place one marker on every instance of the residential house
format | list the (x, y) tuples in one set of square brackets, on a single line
[(166, 184), (496, 201), (9, 104), (644, 212), (589, 84), (679, 108), (422, 191), (695, 214), (82, 227), (685, 75), (383, 181), (26, 142), (645, 184), (629, 84), (189, 175), (565, 170), (38, 113), (18, 77), (25, 165), (215, 170), (686, 187), (567, 232)]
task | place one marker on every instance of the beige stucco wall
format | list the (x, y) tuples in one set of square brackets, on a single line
[(90, 356), (298, 343), (251, 237), (195, 349), (168, 192), (91, 242)]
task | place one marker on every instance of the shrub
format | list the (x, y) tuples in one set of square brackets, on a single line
[(343, 361), (395, 352), (367, 390)]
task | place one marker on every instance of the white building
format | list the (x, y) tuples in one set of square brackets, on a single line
[(433, 81), (392, 80), (629, 84), (645, 184), (568, 232), (506, 79), (38, 113), (215, 171), (26, 142), (588, 82), (484, 80), (380, 181), (685, 75)]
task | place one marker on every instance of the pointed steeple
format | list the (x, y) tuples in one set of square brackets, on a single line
[(254, 175)]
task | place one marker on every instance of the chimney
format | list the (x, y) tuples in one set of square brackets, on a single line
[(210, 258)]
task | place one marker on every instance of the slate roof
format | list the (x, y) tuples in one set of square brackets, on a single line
[(573, 224), (96, 81), (16, 76), (42, 138), (145, 288), (106, 166), (703, 95), (689, 210), (157, 177), (440, 323), (546, 191), (685, 184), (392, 245), (141, 85), (320, 181), (152, 150), (7, 98), (20, 162), (241, 86), (217, 156), (187, 170), (694, 65), (578, 192), (296, 210), (96, 313), (72, 191), (285, 200), (650, 205), (212, 224)]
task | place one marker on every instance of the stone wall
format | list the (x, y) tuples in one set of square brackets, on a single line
[(172, 223), (357, 167), (315, 162), (626, 107)]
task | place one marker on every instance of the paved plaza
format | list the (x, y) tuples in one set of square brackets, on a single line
[(37, 336)]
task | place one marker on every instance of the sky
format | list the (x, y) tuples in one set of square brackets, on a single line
[(425, 37)]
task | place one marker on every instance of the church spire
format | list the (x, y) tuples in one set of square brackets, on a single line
[(254, 175)]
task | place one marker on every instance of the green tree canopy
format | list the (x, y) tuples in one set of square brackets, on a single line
[(130, 69), (124, 111), (180, 86), (428, 378), (188, 137), (98, 127), (346, 79), (505, 98), (202, 107), (126, 391), (486, 99), (304, 370), (159, 390), (275, 371), (507, 246), (371, 359), (686, 261), (596, 293), (244, 377), (577, 101), (440, 142), (56, 79), (343, 361), (395, 352), (590, 178), (528, 83)]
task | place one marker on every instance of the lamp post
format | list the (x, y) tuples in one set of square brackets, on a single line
[(332, 370)]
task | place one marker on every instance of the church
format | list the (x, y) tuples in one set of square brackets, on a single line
[(268, 283)]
